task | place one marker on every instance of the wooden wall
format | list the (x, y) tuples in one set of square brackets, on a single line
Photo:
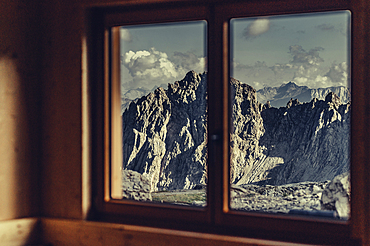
[(61, 171), (20, 108)]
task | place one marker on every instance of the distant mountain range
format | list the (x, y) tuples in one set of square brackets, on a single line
[(280, 96), (277, 96)]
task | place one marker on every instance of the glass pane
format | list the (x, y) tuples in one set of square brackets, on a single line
[(164, 112), (290, 92)]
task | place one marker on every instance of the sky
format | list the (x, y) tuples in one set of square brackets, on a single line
[(309, 49), (155, 55)]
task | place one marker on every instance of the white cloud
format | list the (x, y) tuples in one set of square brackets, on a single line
[(256, 28), (149, 68), (338, 73), (189, 61), (315, 77), (305, 68)]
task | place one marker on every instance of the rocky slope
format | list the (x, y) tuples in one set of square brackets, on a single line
[(165, 136)]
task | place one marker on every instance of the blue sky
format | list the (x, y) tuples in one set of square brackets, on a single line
[(310, 49)]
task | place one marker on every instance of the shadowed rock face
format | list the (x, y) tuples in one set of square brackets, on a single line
[(296, 143), (165, 136), (311, 138)]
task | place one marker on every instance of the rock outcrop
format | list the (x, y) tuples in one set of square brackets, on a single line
[(135, 186), (336, 195)]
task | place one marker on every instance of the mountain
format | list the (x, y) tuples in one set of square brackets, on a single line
[(135, 94), (300, 142), (165, 137), (279, 96)]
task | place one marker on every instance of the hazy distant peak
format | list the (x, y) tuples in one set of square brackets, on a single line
[(292, 85), (280, 96)]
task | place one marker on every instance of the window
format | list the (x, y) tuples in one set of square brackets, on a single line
[(164, 122), (291, 125), (216, 216)]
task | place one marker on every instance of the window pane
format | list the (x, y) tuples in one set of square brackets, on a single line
[(164, 112), (290, 87)]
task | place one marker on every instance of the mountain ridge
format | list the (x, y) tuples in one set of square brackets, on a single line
[(279, 96), (165, 137)]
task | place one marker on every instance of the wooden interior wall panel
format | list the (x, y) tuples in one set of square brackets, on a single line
[(20, 111)]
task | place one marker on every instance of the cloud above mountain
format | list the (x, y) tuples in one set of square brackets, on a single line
[(188, 61), (148, 68), (305, 67), (338, 72)]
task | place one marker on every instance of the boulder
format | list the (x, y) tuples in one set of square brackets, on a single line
[(135, 186), (336, 196)]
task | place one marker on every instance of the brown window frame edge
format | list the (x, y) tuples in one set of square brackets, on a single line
[(216, 217)]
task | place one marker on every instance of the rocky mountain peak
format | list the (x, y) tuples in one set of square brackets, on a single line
[(332, 98), (292, 103), (190, 82), (289, 87), (186, 90)]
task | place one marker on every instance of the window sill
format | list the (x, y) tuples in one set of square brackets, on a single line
[(79, 232)]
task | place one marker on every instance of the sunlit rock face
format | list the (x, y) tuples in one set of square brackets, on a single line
[(165, 137), (247, 130)]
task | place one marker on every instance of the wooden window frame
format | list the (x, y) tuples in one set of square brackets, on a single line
[(216, 217)]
